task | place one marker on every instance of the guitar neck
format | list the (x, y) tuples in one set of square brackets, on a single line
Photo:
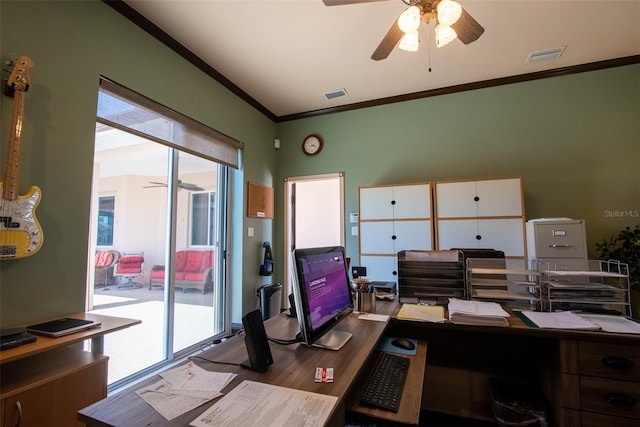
[(10, 184)]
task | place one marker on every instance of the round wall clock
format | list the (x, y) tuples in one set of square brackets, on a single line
[(312, 145)]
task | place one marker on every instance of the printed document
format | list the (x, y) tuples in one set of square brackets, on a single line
[(559, 320), (610, 323), (184, 388), (263, 405)]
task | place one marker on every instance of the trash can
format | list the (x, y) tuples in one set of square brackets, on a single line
[(517, 403)]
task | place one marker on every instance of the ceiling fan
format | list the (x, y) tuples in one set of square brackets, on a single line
[(452, 22), (185, 185)]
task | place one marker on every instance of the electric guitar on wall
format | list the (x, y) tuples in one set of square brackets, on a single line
[(20, 232)]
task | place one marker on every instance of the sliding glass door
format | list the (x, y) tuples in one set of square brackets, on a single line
[(159, 205)]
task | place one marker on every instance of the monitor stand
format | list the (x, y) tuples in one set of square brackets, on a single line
[(333, 340)]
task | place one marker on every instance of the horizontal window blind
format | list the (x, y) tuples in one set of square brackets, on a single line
[(131, 112)]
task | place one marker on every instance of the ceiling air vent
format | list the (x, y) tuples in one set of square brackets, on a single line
[(543, 55), (335, 94)]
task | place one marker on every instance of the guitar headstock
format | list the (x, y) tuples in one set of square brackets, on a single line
[(19, 79)]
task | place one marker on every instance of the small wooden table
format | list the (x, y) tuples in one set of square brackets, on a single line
[(45, 382), (96, 335)]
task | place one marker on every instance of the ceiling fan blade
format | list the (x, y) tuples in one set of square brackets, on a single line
[(467, 28), (389, 41), (164, 184), (190, 187), (340, 2)]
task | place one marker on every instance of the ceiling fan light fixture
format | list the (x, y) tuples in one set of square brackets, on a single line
[(409, 20), (449, 12), (410, 41), (444, 35)]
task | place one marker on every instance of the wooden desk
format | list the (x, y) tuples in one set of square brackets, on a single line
[(459, 362), (567, 366), (294, 367), (44, 383)]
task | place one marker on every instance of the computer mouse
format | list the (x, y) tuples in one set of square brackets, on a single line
[(403, 343)]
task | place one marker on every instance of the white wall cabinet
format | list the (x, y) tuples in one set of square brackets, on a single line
[(392, 218), (481, 214)]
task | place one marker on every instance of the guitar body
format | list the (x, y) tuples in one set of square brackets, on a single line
[(20, 232)]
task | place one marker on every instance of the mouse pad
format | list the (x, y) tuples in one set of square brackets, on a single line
[(385, 345)]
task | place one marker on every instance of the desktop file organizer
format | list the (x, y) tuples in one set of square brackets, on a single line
[(602, 285), (430, 276), (513, 286)]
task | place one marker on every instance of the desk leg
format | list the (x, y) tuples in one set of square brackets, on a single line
[(97, 344)]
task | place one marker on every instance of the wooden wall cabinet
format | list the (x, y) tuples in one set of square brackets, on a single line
[(481, 214), (392, 218), (48, 389)]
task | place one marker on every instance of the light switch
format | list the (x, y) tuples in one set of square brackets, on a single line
[(250, 231)]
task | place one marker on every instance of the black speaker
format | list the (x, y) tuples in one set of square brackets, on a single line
[(255, 338), (292, 306)]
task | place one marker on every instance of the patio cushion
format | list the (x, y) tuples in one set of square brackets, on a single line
[(104, 259)]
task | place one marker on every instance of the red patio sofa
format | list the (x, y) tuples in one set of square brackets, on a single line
[(194, 270)]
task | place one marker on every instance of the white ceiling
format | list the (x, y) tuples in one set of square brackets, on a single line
[(286, 54)]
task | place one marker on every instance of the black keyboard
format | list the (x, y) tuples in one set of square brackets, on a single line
[(387, 382)]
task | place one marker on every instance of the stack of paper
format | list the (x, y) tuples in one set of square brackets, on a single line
[(183, 388), (465, 312), (425, 313)]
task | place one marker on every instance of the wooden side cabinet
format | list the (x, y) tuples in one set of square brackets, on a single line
[(600, 384), (49, 388)]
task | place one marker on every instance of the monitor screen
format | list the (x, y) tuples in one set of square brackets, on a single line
[(322, 293)]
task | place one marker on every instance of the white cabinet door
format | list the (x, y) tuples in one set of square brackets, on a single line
[(375, 203), (380, 267), (500, 197), (412, 235), (456, 199), (500, 234), (412, 201), (376, 237), (390, 237)]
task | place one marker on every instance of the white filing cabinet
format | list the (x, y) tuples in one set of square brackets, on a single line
[(481, 214), (561, 242), (392, 218)]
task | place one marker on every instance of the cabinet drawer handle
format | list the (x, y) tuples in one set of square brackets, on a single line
[(478, 237), (395, 273), (558, 246), (616, 362), (476, 199), (394, 237), (619, 399), (19, 408), (393, 202)]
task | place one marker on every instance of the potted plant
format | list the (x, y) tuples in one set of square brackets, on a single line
[(625, 247)]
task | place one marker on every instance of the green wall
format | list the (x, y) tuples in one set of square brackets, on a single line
[(72, 43), (575, 140)]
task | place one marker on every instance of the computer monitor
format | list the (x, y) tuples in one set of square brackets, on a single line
[(322, 295)]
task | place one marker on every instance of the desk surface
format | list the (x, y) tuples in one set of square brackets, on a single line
[(293, 367), (42, 344)]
